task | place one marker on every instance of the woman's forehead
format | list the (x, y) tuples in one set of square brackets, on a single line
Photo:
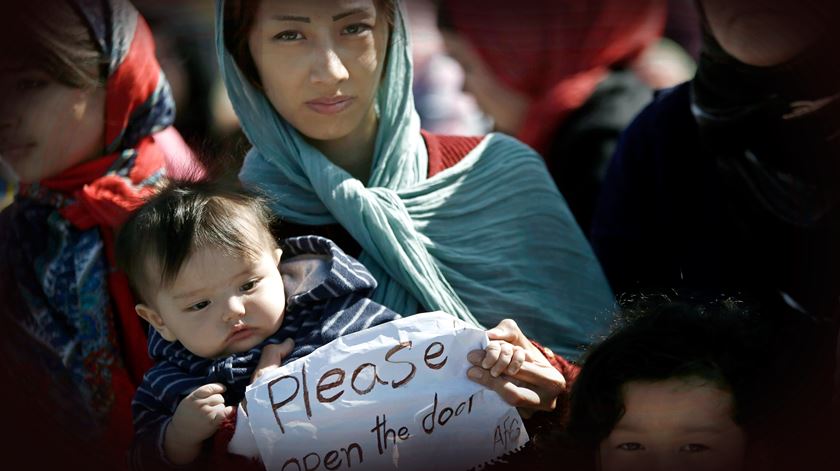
[(303, 10)]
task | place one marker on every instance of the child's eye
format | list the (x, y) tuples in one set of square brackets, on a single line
[(694, 448), (631, 446), (356, 28), (288, 36), (198, 306), (249, 285)]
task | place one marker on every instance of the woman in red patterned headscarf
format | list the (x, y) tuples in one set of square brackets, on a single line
[(555, 74), (85, 115)]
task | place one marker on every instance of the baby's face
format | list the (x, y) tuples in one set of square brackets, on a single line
[(221, 304), (676, 424)]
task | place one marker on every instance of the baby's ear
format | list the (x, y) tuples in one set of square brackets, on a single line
[(156, 321), (277, 254)]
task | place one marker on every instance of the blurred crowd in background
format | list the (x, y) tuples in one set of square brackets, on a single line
[(183, 32), (694, 155)]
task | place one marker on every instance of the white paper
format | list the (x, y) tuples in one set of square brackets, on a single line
[(328, 411)]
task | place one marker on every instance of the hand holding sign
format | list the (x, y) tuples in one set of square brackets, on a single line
[(529, 381), (196, 419), (272, 357), (392, 397)]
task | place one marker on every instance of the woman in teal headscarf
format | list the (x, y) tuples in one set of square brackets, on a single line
[(473, 227)]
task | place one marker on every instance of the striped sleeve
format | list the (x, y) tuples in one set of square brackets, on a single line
[(152, 408), (338, 317)]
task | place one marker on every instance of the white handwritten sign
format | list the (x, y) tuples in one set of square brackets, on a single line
[(392, 397)]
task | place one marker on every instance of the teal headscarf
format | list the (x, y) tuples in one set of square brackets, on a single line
[(486, 239)]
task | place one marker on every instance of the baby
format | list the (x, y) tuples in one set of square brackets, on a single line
[(678, 387), (210, 281)]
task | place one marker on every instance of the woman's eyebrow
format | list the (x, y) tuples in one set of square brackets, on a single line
[(305, 19), (349, 12)]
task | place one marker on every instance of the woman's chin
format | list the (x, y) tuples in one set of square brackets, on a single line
[(766, 38), (325, 133)]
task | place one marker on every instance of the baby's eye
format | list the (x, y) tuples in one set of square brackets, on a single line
[(288, 36), (631, 446), (356, 28), (249, 285), (694, 448), (198, 306)]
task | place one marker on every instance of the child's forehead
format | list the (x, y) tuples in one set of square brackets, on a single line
[(211, 265), (680, 403), (214, 257)]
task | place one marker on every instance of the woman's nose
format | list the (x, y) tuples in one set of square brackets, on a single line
[(234, 310), (327, 67)]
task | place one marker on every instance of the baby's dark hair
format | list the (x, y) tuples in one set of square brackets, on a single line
[(722, 343), (184, 216)]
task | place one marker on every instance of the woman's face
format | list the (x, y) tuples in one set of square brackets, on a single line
[(46, 126), (764, 32), (320, 63), (504, 104)]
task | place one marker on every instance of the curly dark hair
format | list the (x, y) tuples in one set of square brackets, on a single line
[(721, 342)]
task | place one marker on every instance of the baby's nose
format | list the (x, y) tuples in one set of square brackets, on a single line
[(235, 309)]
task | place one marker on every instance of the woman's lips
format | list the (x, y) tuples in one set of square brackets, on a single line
[(330, 105)]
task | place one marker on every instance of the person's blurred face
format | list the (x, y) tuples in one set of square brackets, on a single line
[(764, 32), (320, 63), (677, 424), (46, 126), (505, 105)]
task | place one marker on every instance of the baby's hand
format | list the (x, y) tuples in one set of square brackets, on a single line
[(502, 357), (196, 419)]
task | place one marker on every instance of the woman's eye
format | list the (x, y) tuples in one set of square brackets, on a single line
[(248, 286), (199, 306), (357, 28), (288, 36), (694, 448), (631, 446)]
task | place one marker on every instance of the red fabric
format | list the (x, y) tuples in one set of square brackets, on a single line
[(75, 178), (119, 427), (568, 369), (130, 332), (446, 151), (555, 51), (220, 459), (132, 83), (105, 201), (570, 372)]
